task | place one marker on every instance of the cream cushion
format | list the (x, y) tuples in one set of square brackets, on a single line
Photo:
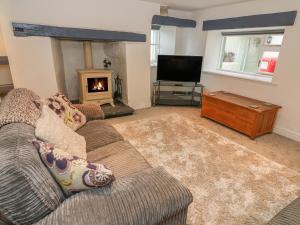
[(52, 129)]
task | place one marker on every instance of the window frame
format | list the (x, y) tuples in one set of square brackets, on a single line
[(272, 48), (154, 45)]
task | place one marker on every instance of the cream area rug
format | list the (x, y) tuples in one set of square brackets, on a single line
[(231, 184)]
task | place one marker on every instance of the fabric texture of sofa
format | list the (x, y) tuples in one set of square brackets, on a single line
[(290, 215), (141, 195)]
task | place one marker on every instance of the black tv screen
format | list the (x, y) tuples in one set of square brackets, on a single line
[(179, 68)]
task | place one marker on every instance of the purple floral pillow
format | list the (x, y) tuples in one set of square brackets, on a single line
[(72, 173), (62, 106)]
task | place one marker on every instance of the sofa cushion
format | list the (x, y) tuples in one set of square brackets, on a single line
[(72, 173), (290, 215), (18, 107), (51, 129), (98, 133), (121, 157), (27, 190), (63, 107)]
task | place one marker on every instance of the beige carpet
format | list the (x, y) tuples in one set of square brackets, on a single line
[(231, 184)]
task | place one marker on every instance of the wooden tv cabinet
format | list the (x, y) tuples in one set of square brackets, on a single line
[(246, 115)]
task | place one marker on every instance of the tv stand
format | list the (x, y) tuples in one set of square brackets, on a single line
[(181, 94)]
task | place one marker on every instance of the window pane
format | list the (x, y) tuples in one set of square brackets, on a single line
[(155, 37), (251, 53), (154, 54), (234, 53), (154, 51), (254, 53), (268, 62)]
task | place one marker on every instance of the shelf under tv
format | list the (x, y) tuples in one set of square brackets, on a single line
[(179, 94)]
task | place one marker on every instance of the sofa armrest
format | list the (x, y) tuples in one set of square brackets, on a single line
[(91, 111), (146, 198), (290, 215)]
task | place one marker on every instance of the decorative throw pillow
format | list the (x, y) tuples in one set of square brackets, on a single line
[(52, 129), (72, 173), (62, 106), (17, 107)]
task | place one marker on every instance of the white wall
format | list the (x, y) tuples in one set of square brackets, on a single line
[(2, 48), (116, 51), (58, 65), (73, 60), (5, 75), (285, 89), (31, 57), (187, 39)]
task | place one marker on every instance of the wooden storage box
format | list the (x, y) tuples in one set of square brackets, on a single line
[(248, 116)]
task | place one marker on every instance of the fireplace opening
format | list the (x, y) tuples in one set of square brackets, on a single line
[(97, 84)]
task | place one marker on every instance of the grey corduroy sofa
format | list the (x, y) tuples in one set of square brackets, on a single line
[(141, 195)]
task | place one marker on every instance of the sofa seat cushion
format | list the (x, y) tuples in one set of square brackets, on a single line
[(121, 157), (147, 198), (27, 190), (98, 133)]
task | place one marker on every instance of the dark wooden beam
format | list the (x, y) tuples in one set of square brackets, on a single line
[(80, 34), (4, 60), (155, 27), (262, 20), (173, 21)]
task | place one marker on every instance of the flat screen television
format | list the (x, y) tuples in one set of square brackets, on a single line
[(179, 68)]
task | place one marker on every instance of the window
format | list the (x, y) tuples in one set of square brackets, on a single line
[(253, 52), (155, 45)]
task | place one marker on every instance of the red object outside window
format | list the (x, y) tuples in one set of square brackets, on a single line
[(268, 63)]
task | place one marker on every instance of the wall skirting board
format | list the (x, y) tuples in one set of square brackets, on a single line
[(287, 133)]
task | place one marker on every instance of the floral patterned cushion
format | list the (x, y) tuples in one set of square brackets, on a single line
[(72, 173), (62, 106)]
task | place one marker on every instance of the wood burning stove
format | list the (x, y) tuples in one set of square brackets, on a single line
[(95, 84)]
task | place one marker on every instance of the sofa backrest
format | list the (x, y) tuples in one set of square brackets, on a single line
[(28, 192)]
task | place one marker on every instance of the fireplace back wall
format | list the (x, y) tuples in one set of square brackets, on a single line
[(73, 59)]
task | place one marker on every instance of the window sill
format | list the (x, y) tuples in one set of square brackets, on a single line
[(260, 78)]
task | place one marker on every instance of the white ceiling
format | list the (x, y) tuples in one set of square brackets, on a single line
[(194, 4)]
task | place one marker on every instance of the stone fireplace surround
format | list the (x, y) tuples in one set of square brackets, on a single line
[(73, 62)]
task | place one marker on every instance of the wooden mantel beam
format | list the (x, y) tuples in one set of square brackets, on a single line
[(79, 34)]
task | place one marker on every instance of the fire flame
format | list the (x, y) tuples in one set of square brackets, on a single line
[(98, 86)]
